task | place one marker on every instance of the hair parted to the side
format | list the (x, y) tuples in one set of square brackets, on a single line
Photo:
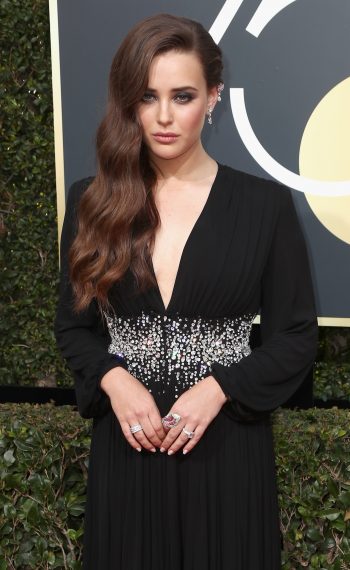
[(117, 215)]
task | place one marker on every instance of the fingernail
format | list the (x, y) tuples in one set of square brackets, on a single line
[(185, 451), (162, 450), (138, 448), (170, 452), (153, 449)]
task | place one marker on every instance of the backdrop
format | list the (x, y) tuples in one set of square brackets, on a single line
[(285, 113)]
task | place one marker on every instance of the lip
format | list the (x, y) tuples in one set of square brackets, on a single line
[(165, 138)]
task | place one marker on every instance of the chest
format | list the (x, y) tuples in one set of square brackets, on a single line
[(179, 214)]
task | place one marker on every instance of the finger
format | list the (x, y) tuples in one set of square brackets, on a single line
[(156, 421), (129, 436), (150, 432), (141, 437), (191, 443), (182, 439), (171, 436)]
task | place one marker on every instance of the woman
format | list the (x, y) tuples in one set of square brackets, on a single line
[(167, 256)]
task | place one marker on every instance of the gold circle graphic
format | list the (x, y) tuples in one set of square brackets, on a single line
[(325, 155)]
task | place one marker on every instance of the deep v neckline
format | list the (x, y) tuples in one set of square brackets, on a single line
[(194, 227)]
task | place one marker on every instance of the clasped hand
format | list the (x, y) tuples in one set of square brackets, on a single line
[(133, 404)]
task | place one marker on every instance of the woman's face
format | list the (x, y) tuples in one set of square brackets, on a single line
[(174, 106)]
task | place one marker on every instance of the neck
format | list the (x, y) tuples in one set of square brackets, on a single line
[(191, 165)]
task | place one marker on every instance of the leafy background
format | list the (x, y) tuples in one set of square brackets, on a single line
[(28, 225), (43, 466)]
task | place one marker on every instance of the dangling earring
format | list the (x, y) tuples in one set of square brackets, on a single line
[(210, 120), (220, 89)]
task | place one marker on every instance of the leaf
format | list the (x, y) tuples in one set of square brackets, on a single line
[(332, 488), (314, 534), (9, 457), (339, 525), (31, 510), (330, 514), (344, 498), (328, 543)]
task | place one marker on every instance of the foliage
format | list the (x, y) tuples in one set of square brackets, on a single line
[(332, 381), (334, 345), (28, 227), (43, 472), (43, 465), (313, 465)]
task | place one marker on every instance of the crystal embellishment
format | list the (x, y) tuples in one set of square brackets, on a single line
[(171, 352)]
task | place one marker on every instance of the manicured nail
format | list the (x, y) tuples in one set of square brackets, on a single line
[(153, 449), (138, 448), (185, 451), (170, 452), (162, 449)]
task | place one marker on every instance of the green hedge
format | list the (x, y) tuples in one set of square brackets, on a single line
[(332, 381), (28, 225), (43, 469)]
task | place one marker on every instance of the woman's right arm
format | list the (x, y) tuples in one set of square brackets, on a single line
[(82, 337), (101, 382)]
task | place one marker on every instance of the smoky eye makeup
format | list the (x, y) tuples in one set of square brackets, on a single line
[(180, 97), (147, 97), (183, 97)]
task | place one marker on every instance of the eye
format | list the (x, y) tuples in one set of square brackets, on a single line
[(148, 97), (183, 97)]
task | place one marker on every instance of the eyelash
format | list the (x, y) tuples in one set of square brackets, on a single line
[(183, 98)]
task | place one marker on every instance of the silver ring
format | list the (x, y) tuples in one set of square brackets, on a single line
[(135, 428), (171, 420), (189, 434)]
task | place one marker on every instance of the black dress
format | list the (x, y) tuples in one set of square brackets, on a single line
[(215, 508)]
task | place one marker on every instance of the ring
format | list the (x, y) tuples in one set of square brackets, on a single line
[(189, 434), (135, 428), (171, 420)]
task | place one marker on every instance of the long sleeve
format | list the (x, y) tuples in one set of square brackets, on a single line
[(82, 337), (273, 371)]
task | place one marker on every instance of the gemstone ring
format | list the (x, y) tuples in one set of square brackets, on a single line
[(171, 420)]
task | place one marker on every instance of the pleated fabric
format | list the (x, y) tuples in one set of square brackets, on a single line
[(213, 509)]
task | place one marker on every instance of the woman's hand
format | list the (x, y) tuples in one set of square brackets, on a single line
[(197, 407), (133, 404)]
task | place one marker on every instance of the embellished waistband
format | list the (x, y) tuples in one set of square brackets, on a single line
[(169, 352)]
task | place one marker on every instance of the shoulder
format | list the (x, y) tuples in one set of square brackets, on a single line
[(77, 188), (257, 189), (75, 192)]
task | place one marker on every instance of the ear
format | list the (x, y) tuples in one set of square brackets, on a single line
[(212, 97)]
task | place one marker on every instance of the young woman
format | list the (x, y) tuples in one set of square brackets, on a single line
[(167, 256)]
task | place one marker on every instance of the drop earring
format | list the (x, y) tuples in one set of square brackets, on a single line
[(220, 88), (210, 120)]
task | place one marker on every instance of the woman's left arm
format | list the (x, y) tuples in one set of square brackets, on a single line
[(271, 374)]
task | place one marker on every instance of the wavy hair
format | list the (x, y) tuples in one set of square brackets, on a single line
[(117, 214)]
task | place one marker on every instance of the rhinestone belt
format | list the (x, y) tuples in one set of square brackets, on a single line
[(171, 353)]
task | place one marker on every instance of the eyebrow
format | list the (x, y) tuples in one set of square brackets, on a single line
[(184, 88)]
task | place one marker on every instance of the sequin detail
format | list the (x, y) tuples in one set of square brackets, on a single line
[(171, 353)]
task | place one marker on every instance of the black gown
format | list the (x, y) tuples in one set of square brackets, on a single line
[(215, 508)]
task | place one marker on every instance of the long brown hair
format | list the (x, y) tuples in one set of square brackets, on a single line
[(117, 215)]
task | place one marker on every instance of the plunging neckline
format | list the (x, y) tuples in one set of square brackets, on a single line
[(195, 225)]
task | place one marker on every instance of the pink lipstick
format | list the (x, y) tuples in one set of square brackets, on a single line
[(165, 138)]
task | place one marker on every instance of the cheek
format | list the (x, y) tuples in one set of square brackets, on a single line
[(144, 117), (193, 118)]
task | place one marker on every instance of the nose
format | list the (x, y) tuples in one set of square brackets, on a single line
[(165, 116)]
